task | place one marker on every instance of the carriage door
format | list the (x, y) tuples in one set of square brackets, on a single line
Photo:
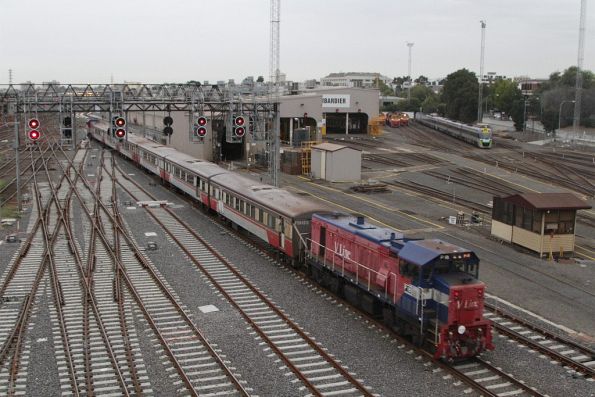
[(322, 242), (281, 235)]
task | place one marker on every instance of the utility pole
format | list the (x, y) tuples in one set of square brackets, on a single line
[(10, 76), (16, 154), (409, 72), (579, 68), (275, 148), (480, 95)]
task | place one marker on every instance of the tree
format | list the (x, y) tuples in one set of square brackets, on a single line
[(260, 79), (460, 96), (421, 80), (503, 95), (385, 90), (549, 119), (517, 112)]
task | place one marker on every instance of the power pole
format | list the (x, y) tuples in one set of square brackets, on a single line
[(579, 68), (480, 95), (10, 76), (275, 148), (409, 72)]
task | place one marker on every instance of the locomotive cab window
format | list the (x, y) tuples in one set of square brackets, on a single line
[(408, 269)]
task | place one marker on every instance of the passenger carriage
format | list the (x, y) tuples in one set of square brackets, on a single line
[(274, 215)]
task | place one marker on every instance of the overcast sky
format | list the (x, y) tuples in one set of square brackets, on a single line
[(154, 41)]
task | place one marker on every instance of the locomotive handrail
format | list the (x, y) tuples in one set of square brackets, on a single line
[(358, 265)]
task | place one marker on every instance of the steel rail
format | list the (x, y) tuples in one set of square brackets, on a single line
[(85, 282), (139, 256), (254, 290), (48, 260), (578, 366)]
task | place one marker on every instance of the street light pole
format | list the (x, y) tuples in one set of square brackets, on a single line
[(560, 116)]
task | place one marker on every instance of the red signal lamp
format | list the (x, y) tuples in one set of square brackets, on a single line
[(34, 124), (239, 121), (120, 133), (120, 122), (34, 135), (240, 131), (201, 131), (202, 121)]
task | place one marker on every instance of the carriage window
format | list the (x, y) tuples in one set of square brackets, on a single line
[(264, 217), (288, 230), (271, 221), (252, 212)]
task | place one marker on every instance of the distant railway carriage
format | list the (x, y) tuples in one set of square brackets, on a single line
[(427, 289), (479, 135)]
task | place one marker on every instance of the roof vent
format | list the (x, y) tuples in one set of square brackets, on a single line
[(360, 220)]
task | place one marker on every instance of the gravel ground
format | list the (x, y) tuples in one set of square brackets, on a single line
[(42, 373), (226, 328), (383, 363), (8, 250), (537, 370)]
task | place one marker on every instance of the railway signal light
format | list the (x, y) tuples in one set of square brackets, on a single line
[(201, 126), (119, 126), (34, 124), (67, 127), (239, 126), (168, 121), (34, 135), (120, 122), (120, 133)]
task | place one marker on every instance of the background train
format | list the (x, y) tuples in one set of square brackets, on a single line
[(479, 135), (426, 289), (396, 119)]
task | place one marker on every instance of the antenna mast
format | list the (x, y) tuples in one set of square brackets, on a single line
[(480, 97), (274, 138), (579, 68)]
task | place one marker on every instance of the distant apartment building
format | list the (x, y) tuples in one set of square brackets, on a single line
[(527, 85), (354, 79), (491, 77)]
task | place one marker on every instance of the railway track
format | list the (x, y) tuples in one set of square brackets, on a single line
[(560, 349), (319, 372), (198, 364), (480, 375)]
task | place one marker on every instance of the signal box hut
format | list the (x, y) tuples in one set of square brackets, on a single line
[(542, 222), (336, 163)]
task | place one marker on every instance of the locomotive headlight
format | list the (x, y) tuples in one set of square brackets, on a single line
[(461, 330)]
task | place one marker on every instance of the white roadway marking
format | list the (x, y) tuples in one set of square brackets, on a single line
[(537, 316)]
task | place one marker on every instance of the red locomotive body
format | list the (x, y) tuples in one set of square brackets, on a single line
[(424, 288)]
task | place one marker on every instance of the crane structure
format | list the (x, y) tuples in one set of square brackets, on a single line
[(274, 139), (481, 65), (579, 67)]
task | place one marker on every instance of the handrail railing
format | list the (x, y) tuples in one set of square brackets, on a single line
[(389, 276)]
